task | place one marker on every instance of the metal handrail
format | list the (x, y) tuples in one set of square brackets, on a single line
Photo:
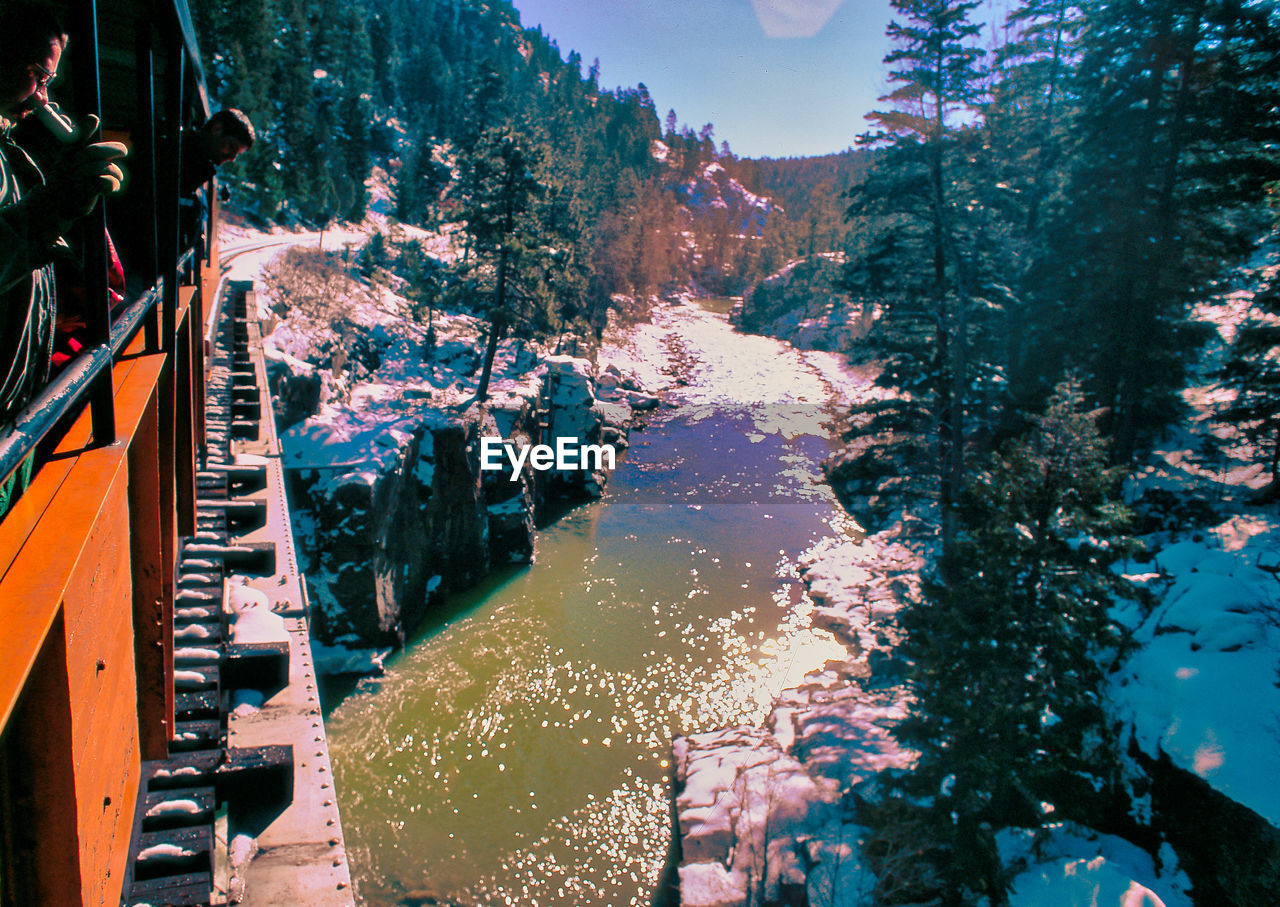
[(69, 386), (54, 402)]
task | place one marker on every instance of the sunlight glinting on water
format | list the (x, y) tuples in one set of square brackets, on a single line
[(613, 848), (521, 752), (626, 832)]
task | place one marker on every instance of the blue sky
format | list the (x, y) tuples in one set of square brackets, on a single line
[(778, 78)]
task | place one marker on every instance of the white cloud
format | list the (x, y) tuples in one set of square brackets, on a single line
[(794, 18)]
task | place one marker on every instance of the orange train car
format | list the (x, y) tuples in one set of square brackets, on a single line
[(87, 554)]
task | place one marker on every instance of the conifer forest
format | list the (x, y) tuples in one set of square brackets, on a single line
[(1031, 219)]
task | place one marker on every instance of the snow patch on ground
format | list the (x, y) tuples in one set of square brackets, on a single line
[(1202, 687), (1214, 635), (1065, 864)]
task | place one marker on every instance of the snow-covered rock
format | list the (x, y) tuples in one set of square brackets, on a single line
[(746, 811), (568, 387), (764, 812), (713, 192), (296, 387), (1215, 633), (1063, 864), (410, 506)]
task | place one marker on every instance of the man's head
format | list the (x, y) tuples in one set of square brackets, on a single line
[(31, 45), (226, 135)]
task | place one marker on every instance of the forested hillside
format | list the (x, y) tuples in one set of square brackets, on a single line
[(811, 190), (1038, 225), (478, 122)]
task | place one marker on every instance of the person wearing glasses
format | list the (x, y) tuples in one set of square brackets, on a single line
[(35, 208)]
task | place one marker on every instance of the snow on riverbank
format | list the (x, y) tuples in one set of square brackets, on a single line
[(1202, 688), (697, 358), (763, 810), (1069, 866)]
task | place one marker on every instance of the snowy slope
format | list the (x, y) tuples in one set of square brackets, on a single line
[(1203, 686)]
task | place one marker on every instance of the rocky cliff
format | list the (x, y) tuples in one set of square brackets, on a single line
[(394, 510), (805, 305)]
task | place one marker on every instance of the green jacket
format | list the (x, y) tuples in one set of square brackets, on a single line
[(28, 306)]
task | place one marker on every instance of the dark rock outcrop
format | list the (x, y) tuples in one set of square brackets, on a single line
[(1230, 853), (389, 531), (295, 390), (388, 542)]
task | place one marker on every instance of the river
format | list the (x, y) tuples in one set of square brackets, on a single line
[(518, 752)]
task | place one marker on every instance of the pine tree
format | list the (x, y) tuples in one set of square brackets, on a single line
[(1027, 154), (355, 66), (384, 26), (289, 139), (428, 282), (502, 192), (420, 179), (1032, 100), (1177, 138), (1008, 644), (909, 204)]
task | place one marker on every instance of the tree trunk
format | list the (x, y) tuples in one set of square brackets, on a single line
[(497, 323)]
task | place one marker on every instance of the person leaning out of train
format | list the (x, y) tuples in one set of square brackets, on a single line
[(35, 208), (224, 137)]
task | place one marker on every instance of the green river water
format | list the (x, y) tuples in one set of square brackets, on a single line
[(519, 751)]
